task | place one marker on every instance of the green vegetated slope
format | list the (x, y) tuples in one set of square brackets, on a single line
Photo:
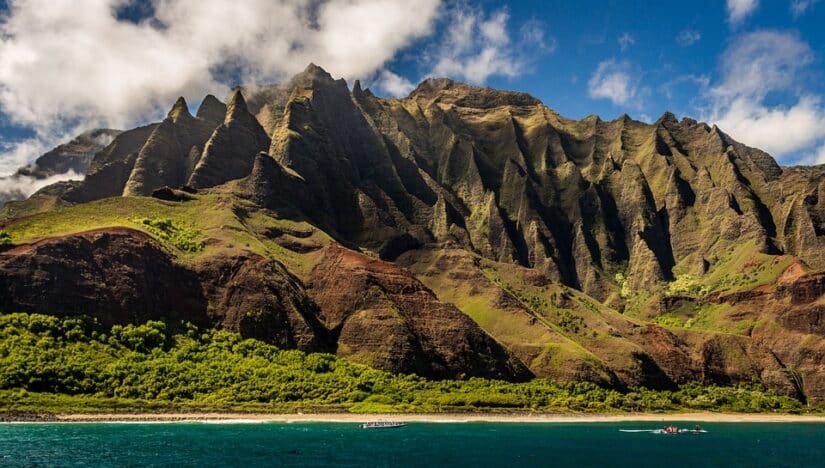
[(74, 364), (560, 333), (513, 242), (206, 225)]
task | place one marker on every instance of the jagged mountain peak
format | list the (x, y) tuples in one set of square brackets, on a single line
[(448, 91), (236, 106), (180, 110), (314, 76), (315, 70), (211, 109), (430, 87), (668, 117)]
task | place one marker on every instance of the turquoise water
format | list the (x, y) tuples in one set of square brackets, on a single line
[(419, 444)]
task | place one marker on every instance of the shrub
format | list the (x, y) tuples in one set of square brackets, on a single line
[(48, 362), (185, 239), (687, 285)]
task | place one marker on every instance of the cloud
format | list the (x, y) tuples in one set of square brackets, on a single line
[(21, 187), (820, 156), (757, 63), (815, 156), (65, 66), (800, 7), (626, 40), (477, 46), (755, 67), (780, 130), (738, 10), (612, 80), (18, 153), (688, 37), (393, 84)]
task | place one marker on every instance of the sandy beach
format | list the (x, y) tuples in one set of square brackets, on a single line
[(435, 417)]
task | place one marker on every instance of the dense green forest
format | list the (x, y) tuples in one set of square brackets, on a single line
[(74, 364)]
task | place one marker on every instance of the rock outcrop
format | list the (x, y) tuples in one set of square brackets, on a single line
[(230, 152), (122, 276), (386, 318), (214, 147), (170, 153), (371, 311), (114, 275)]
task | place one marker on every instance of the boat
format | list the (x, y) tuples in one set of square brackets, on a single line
[(669, 430), (382, 425)]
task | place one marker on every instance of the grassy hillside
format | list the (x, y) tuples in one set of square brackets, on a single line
[(208, 224), (73, 364)]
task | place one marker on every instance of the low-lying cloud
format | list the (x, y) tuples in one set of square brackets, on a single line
[(18, 187)]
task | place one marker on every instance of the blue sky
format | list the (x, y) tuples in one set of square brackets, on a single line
[(755, 67), (671, 56)]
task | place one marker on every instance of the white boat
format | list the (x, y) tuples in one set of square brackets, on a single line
[(382, 425)]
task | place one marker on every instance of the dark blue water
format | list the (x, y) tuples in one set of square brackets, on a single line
[(419, 444)]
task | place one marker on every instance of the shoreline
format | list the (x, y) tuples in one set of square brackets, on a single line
[(228, 418)]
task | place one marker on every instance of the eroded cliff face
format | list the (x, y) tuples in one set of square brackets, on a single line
[(202, 151), (385, 317), (119, 276), (495, 172), (500, 174), (370, 311), (485, 235)]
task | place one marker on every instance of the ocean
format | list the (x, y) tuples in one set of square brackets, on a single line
[(418, 444)]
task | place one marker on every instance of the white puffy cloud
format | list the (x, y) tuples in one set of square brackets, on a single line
[(66, 65), (800, 7), (393, 84), (477, 46), (779, 130), (613, 80), (760, 62), (754, 67), (817, 156), (738, 10), (688, 37)]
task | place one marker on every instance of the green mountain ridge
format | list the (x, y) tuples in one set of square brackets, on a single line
[(458, 232)]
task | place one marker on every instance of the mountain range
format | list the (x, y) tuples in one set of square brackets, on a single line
[(460, 231)]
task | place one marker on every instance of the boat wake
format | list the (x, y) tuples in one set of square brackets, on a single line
[(667, 431)]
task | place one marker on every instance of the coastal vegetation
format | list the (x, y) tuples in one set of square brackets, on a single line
[(51, 364)]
